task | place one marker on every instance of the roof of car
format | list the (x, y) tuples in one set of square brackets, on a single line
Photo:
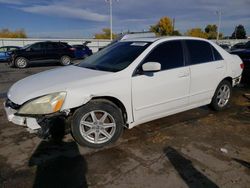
[(153, 39)]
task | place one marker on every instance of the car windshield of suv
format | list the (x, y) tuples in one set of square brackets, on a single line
[(116, 57), (26, 46), (247, 45)]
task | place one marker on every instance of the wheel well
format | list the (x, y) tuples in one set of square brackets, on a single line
[(118, 103), (229, 79)]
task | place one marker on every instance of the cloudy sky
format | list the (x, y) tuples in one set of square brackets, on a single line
[(83, 18)]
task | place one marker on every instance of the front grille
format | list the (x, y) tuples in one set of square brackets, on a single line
[(9, 103)]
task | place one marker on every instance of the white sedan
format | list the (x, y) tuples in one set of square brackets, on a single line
[(126, 84)]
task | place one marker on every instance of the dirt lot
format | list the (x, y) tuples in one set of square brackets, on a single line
[(197, 148)]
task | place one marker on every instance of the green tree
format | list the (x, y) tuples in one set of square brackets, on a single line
[(211, 28), (163, 27), (176, 33), (239, 32), (211, 31), (6, 33), (105, 34), (197, 32)]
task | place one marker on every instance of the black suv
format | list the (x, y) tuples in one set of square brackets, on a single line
[(42, 51), (244, 54)]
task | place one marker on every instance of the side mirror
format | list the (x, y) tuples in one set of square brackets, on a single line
[(151, 67)]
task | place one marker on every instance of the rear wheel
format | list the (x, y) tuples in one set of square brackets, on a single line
[(222, 96), (21, 62), (65, 60), (97, 124)]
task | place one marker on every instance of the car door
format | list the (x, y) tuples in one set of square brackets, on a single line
[(36, 52), (206, 71), (53, 50), (160, 93)]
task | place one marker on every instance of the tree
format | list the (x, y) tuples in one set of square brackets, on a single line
[(212, 31), (163, 27), (105, 34), (239, 32), (6, 33), (197, 32), (211, 28), (176, 33)]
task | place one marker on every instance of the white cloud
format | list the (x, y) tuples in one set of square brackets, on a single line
[(66, 12)]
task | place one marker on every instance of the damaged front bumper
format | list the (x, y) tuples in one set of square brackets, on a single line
[(39, 124), (29, 122)]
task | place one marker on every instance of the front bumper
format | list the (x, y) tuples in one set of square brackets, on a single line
[(18, 120)]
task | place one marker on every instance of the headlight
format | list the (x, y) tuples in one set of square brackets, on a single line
[(44, 105)]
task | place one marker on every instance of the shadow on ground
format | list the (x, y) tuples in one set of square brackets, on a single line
[(242, 162), (59, 164), (192, 177)]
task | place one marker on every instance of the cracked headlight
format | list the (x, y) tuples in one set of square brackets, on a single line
[(44, 105)]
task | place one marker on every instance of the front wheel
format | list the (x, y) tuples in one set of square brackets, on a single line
[(21, 62), (97, 124), (222, 96)]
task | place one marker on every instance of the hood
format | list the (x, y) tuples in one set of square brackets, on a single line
[(51, 81)]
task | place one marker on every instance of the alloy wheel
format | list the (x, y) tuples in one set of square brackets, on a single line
[(223, 95), (97, 127)]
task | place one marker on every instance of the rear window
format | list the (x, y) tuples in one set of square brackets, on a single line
[(216, 54), (63, 45), (199, 52)]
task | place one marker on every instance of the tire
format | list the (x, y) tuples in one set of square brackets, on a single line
[(21, 62), (88, 122), (222, 96), (65, 60)]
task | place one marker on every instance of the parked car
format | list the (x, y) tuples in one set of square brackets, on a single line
[(82, 51), (5, 52), (42, 51), (244, 54), (240, 45), (126, 84), (225, 47)]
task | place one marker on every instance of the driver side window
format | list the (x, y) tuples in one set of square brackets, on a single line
[(168, 54), (36, 46)]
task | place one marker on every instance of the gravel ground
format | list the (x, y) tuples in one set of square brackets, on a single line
[(197, 148)]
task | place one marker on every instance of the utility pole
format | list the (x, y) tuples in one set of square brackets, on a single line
[(173, 24), (219, 23), (111, 17)]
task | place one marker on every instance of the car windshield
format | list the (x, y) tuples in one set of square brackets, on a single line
[(247, 45), (26, 46), (116, 57)]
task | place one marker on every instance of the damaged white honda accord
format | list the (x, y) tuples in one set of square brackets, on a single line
[(125, 84)]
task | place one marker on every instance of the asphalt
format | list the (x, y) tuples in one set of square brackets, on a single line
[(197, 148)]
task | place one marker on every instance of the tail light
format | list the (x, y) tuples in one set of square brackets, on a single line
[(72, 49), (242, 65)]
